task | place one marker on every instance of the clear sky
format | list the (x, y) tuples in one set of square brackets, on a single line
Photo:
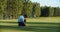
[(53, 3)]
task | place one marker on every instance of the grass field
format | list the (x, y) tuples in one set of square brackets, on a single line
[(42, 24)]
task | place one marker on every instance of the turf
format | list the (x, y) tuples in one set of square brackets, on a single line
[(32, 25)]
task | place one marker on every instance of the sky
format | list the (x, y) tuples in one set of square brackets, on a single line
[(52, 3)]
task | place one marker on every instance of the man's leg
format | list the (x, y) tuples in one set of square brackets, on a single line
[(18, 23), (24, 23)]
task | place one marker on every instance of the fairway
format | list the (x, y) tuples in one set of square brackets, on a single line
[(33, 25)]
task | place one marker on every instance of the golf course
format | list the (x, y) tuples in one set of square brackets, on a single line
[(42, 24), (29, 15)]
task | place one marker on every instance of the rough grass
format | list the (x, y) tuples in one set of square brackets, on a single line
[(41, 19), (42, 24)]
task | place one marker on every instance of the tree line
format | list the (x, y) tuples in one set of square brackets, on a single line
[(12, 9)]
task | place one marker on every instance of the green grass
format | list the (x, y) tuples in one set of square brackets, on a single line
[(42, 24)]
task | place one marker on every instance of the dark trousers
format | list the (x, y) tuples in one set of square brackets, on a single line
[(22, 23)]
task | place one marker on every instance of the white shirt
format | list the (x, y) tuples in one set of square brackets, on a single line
[(21, 19)]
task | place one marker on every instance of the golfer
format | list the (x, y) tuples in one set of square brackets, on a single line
[(21, 21)]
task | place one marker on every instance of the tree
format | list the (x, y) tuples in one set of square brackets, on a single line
[(51, 11), (29, 9), (56, 11), (45, 11), (2, 7), (37, 10), (14, 8)]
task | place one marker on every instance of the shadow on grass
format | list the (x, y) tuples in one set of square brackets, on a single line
[(33, 23), (33, 28), (37, 28)]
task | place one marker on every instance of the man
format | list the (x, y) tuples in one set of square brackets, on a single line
[(21, 21)]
